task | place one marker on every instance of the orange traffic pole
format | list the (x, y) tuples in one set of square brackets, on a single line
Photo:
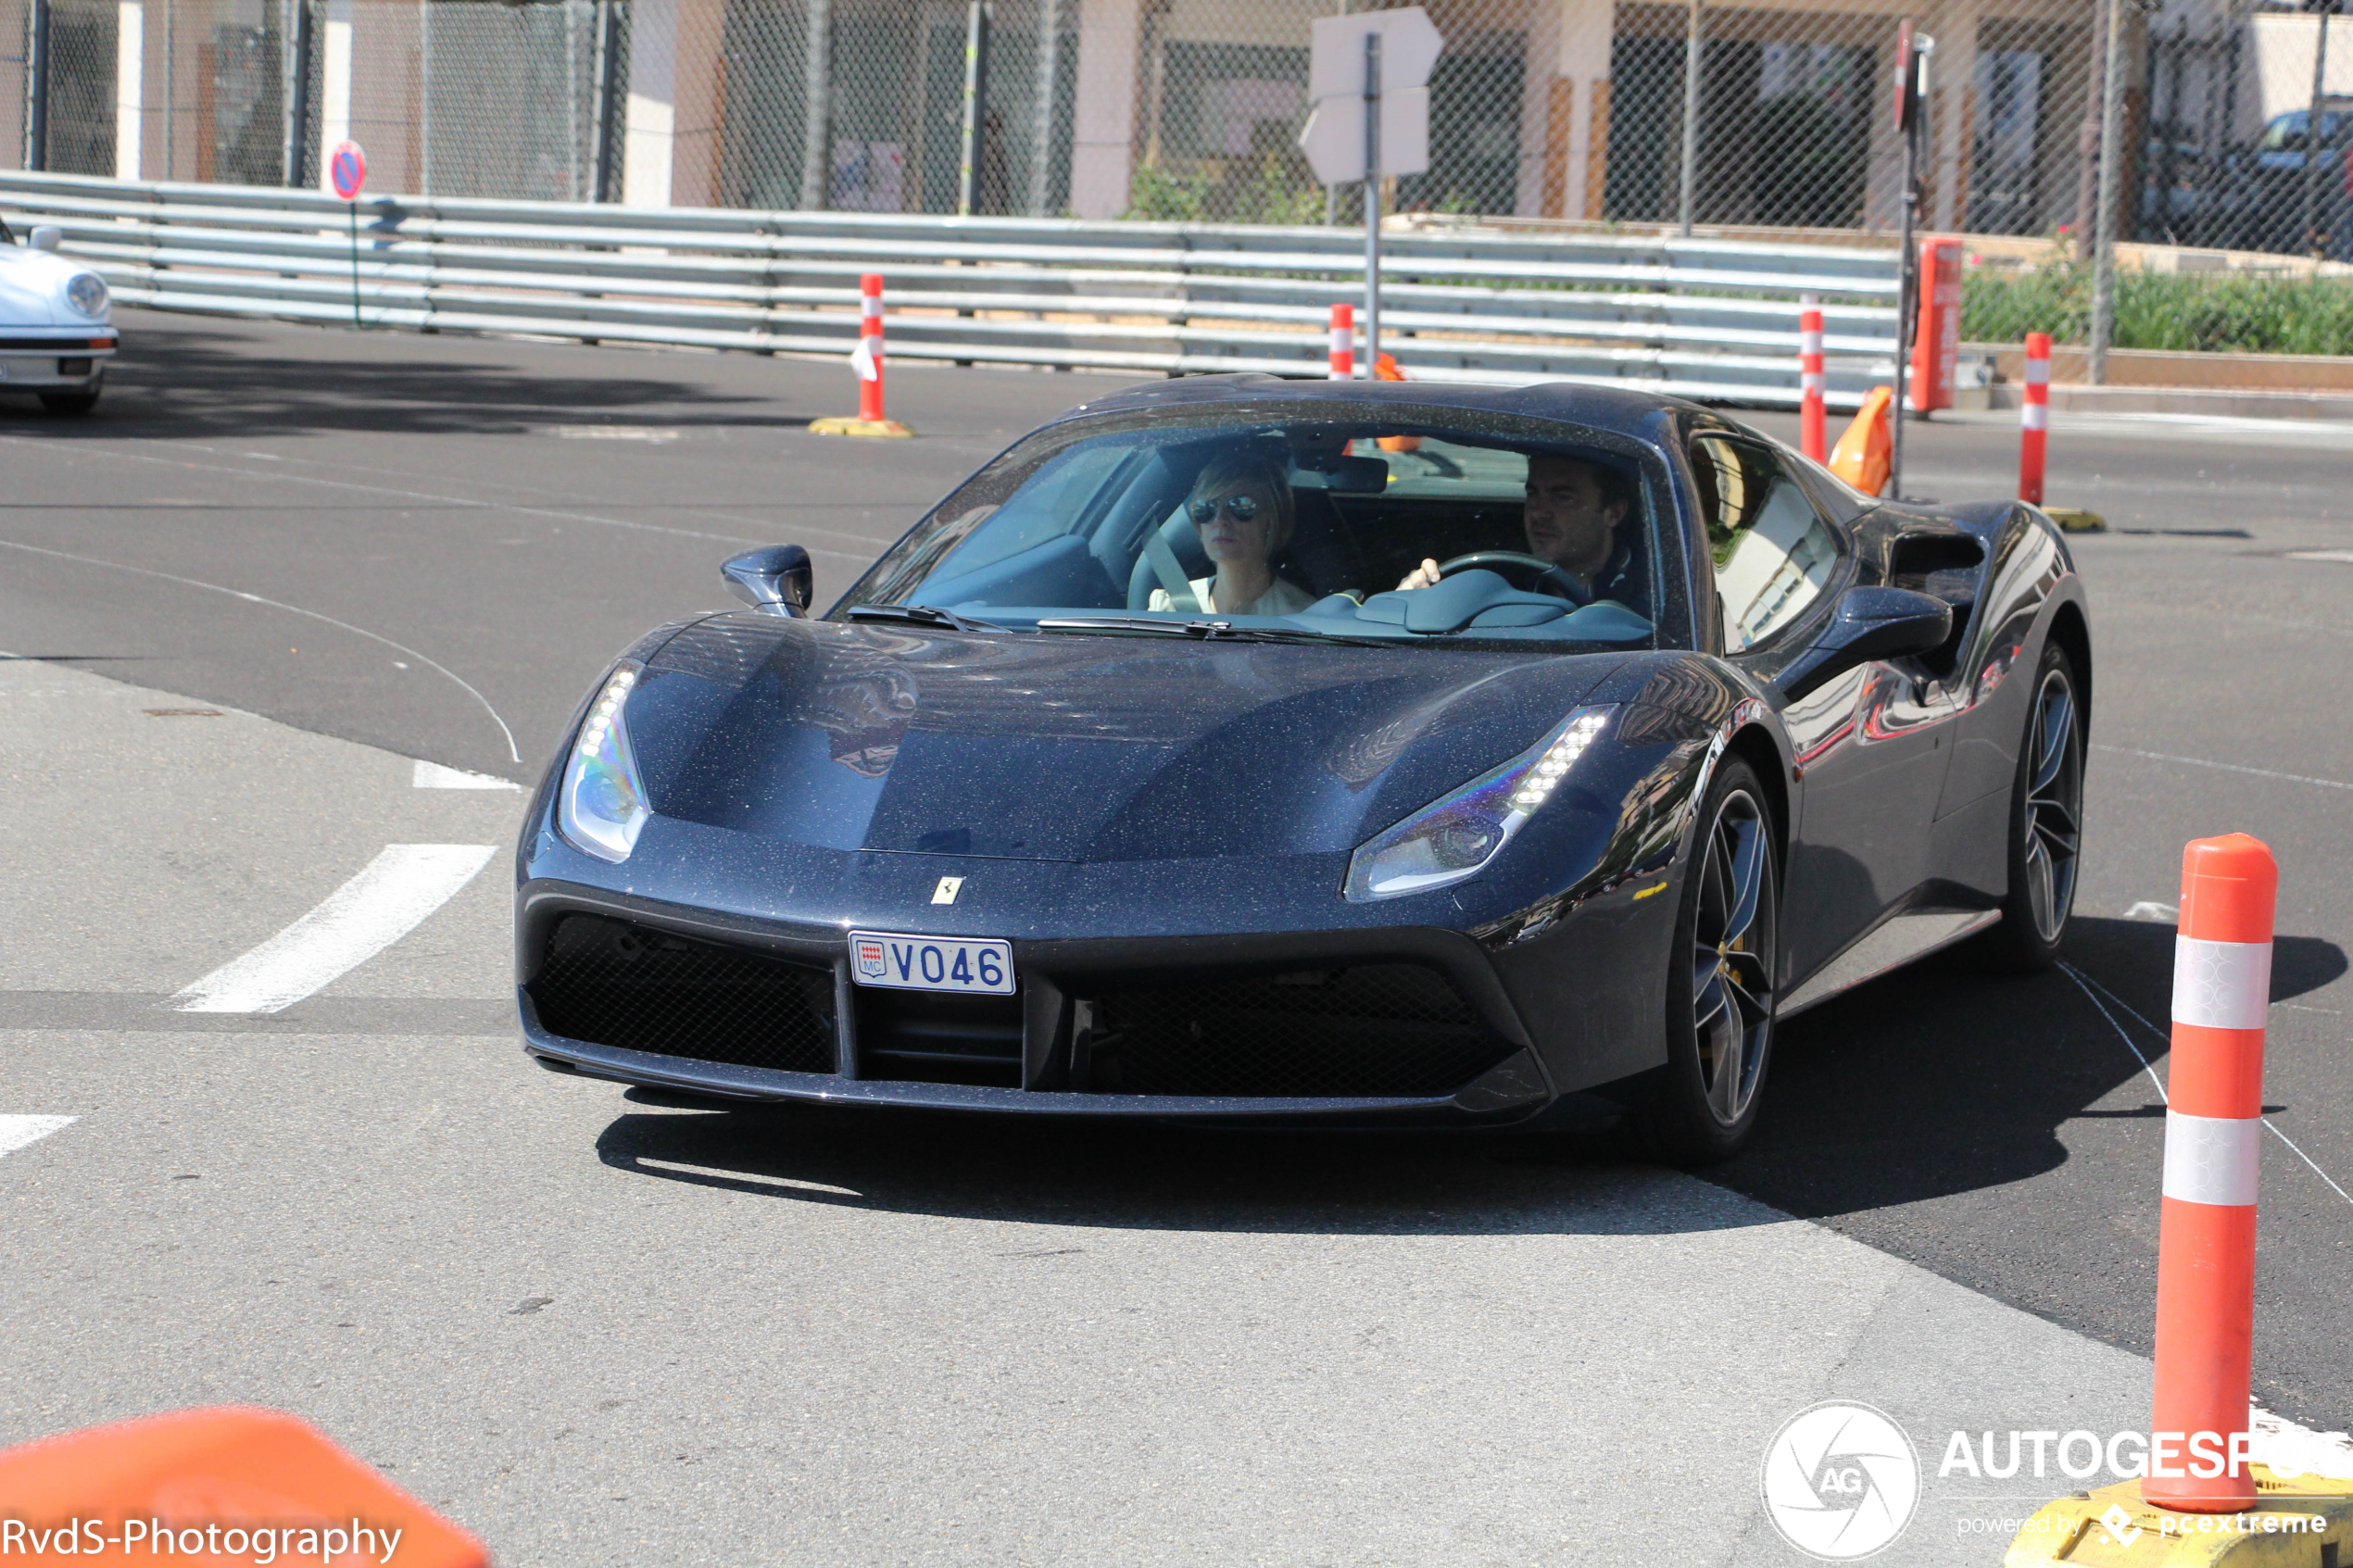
[(2035, 417), (1812, 438), (870, 338), (2198, 1437), (1343, 343)]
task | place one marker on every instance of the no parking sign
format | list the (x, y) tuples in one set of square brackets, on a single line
[(347, 170)]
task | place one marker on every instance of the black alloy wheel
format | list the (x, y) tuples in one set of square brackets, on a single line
[(2046, 825), (1721, 987)]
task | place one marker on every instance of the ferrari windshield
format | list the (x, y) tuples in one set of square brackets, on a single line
[(1288, 529)]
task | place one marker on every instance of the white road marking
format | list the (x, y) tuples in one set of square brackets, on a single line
[(389, 897), (615, 432), (2344, 556), (2144, 909), (20, 1132), (2086, 984), (2325, 1454), (433, 776), (2226, 766)]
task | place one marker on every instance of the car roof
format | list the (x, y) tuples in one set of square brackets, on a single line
[(1643, 416)]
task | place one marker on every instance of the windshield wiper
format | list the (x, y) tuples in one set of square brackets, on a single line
[(1205, 631), (922, 615)]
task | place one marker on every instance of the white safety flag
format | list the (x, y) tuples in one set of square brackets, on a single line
[(862, 360)]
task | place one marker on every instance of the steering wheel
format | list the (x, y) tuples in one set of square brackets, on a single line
[(1530, 574)]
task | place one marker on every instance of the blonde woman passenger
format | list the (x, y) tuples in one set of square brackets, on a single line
[(1241, 507)]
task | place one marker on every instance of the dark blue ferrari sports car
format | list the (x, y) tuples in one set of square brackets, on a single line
[(1343, 753)]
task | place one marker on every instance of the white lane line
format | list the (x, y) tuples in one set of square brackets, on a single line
[(2343, 556), (21, 1132), (294, 609), (2144, 909), (433, 776), (384, 902), (2084, 982), (2226, 766)]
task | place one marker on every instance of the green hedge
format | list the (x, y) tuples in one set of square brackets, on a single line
[(2200, 312)]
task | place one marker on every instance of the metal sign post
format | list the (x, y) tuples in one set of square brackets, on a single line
[(1372, 205), (347, 172), (1368, 80), (1912, 51)]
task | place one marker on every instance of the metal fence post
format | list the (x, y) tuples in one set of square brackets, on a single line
[(2313, 238), (608, 98), (298, 110), (2104, 223), (1042, 142), (424, 97), (1690, 122), (975, 109), (171, 171), (36, 88), (816, 108)]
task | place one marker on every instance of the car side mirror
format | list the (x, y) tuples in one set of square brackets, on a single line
[(778, 579), (44, 236), (1867, 624)]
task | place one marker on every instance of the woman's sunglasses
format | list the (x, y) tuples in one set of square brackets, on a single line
[(1241, 508)]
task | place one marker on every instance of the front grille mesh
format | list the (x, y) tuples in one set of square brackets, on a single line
[(612, 982), (1365, 1031)]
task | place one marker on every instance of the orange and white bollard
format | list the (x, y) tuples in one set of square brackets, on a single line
[(869, 343), (1343, 343), (2035, 417), (867, 360), (1812, 437), (2198, 1434)]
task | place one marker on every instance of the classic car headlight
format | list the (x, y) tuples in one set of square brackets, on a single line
[(602, 804), (86, 291), (1450, 839)]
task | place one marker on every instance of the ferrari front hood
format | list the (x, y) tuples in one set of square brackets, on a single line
[(1076, 747)]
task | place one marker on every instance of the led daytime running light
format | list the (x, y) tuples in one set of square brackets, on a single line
[(1558, 758), (601, 807)]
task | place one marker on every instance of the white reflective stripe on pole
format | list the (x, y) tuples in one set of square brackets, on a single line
[(2222, 984), (2035, 416), (2038, 372), (2212, 1159)]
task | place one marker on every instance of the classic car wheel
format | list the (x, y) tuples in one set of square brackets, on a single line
[(1720, 984), (2046, 825)]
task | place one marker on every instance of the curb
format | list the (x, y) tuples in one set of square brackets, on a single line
[(2112, 1527), (2211, 403)]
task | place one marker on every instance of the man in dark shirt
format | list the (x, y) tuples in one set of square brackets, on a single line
[(1572, 517)]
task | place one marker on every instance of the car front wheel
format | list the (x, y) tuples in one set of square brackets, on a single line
[(1721, 978), (2046, 825)]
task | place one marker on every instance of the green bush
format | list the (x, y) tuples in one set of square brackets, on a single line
[(1271, 192), (2193, 312)]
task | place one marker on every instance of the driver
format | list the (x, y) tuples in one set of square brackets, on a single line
[(1573, 512)]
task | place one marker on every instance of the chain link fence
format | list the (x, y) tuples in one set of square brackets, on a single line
[(1770, 120)]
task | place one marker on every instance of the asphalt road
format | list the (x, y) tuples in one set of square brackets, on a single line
[(425, 547)]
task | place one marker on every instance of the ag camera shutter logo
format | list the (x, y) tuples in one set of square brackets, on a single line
[(1841, 1481)]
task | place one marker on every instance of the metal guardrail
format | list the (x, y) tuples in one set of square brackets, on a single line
[(1705, 319)]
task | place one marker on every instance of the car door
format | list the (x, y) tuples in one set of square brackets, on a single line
[(1869, 742)]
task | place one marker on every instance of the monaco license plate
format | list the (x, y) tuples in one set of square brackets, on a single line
[(932, 963)]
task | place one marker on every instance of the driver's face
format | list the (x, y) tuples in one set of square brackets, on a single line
[(1569, 522)]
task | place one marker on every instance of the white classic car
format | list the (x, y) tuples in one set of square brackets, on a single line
[(56, 331)]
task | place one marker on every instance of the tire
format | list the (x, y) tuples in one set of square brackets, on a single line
[(70, 402), (2046, 825), (1720, 981)]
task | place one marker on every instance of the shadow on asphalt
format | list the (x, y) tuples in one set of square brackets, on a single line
[(1943, 1079), (192, 382), (1940, 1079)]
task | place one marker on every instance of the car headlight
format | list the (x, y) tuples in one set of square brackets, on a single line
[(602, 804), (86, 291), (1453, 837)]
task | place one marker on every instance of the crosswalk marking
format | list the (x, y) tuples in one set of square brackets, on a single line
[(433, 776), (389, 897)]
